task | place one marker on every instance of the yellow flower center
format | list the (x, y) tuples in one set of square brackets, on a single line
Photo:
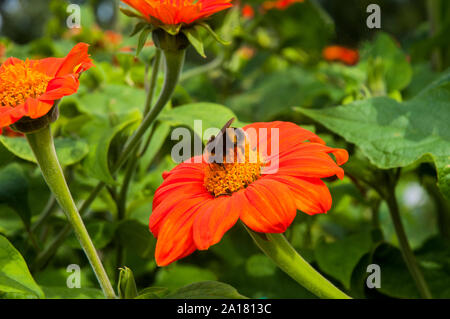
[(227, 178), (20, 81)]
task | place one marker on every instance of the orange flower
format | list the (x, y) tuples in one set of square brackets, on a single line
[(174, 12), (113, 38), (342, 54), (279, 4), (30, 88), (199, 202), (248, 12)]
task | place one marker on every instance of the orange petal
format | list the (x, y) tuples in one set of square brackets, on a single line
[(10, 115), (171, 205), (289, 135), (266, 206), (175, 239), (213, 221), (35, 108), (311, 195), (317, 165), (60, 87), (77, 59)]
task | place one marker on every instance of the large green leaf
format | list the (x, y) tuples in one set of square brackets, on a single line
[(393, 134), (176, 276), (339, 258), (206, 290), (15, 277), (72, 293), (137, 238), (69, 150), (212, 116), (14, 191), (100, 133), (113, 98)]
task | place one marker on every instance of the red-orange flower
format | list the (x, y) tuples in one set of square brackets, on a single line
[(279, 4), (342, 54), (173, 12), (30, 88), (198, 202), (248, 12)]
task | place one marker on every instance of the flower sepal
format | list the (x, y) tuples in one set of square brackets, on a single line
[(28, 125), (193, 34)]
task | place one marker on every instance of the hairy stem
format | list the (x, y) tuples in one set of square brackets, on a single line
[(41, 143), (277, 248)]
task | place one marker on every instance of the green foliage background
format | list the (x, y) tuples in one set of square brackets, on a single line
[(391, 111)]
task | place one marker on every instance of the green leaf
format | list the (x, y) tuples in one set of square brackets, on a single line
[(338, 259), (14, 274), (153, 293), (158, 139), (142, 39), (137, 238), (130, 13), (138, 27), (176, 276), (100, 134), (214, 35), (72, 293), (69, 150), (260, 265), (393, 134), (212, 116), (126, 286), (14, 191), (113, 98), (206, 290), (194, 39), (433, 258)]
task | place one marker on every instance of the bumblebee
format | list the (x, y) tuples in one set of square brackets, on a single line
[(227, 145)]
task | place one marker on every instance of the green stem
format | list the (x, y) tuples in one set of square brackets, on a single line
[(434, 8), (173, 65), (174, 61), (153, 81), (277, 248), (407, 253), (41, 143), (203, 69)]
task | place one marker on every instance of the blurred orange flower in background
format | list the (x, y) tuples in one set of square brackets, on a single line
[(30, 88), (342, 54), (248, 12), (199, 202), (172, 12), (279, 4)]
